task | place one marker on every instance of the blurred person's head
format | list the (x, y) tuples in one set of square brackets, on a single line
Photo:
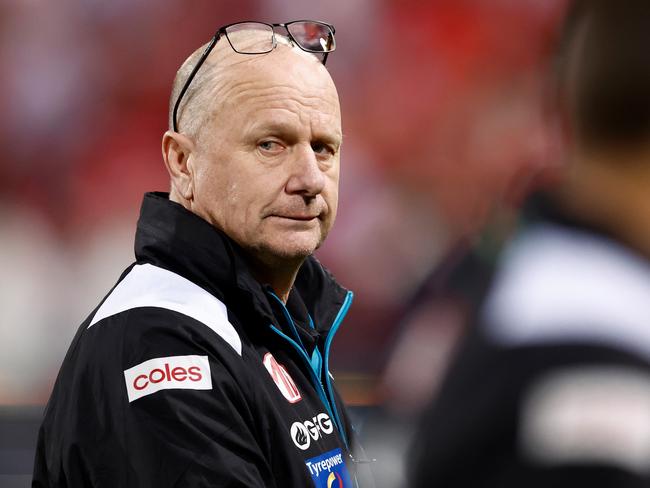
[(604, 81), (256, 153), (604, 73)]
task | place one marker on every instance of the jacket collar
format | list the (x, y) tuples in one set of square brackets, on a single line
[(172, 237)]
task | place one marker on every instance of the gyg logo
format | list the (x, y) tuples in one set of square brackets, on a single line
[(302, 433)]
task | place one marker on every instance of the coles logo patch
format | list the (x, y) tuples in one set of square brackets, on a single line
[(329, 471), (281, 378), (174, 372), (303, 433)]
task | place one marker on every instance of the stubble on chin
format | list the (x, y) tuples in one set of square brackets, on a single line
[(288, 248)]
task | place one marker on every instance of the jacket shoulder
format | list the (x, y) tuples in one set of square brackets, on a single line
[(147, 286)]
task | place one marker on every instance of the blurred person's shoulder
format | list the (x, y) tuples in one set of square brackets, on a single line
[(563, 285)]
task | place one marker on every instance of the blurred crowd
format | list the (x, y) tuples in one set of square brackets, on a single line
[(444, 123)]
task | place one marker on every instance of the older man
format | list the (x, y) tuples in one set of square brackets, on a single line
[(208, 363)]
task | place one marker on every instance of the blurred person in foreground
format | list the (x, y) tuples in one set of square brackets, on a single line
[(207, 363), (551, 385)]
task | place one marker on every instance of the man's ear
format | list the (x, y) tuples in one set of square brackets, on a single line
[(177, 149)]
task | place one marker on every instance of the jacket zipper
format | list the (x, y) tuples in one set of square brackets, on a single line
[(328, 342), (325, 392)]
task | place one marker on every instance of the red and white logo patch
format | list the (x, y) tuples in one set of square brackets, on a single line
[(282, 379), (174, 372)]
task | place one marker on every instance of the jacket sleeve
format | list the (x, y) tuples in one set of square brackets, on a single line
[(157, 406)]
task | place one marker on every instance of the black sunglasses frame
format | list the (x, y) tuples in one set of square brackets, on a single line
[(222, 31)]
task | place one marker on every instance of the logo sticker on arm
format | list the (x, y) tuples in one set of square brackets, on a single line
[(173, 372), (329, 471)]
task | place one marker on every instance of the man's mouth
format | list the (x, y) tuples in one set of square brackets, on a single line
[(299, 217)]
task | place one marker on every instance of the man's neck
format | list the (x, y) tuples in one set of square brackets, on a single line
[(614, 195), (278, 273)]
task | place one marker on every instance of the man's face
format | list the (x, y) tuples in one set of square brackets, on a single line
[(266, 166)]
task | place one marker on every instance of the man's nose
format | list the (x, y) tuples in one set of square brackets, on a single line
[(307, 178)]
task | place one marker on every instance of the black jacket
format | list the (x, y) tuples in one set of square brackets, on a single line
[(551, 385), (192, 374)]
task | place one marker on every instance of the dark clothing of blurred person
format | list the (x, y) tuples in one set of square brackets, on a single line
[(208, 362), (551, 385), (557, 362)]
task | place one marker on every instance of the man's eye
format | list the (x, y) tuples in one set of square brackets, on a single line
[(270, 146), (321, 148)]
